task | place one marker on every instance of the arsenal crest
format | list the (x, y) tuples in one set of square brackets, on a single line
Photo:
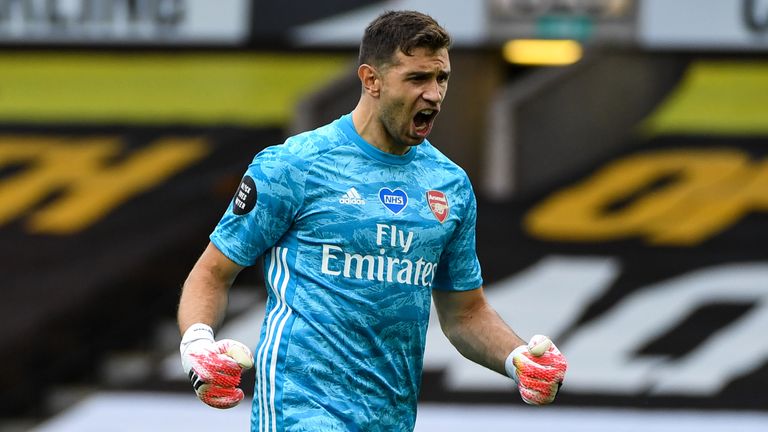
[(438, 203)]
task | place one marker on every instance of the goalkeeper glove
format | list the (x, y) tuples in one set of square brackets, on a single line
[(538, 369), (214, 367)]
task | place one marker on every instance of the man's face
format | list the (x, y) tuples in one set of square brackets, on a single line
[(413, 88)]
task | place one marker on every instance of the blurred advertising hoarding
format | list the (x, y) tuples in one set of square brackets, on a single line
[(124, 22), (704, 24), (593, 21), (651, 24)]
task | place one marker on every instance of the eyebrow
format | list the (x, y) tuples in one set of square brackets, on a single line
[(420, 74)]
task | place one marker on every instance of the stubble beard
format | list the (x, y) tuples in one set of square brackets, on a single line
[(389, 120)]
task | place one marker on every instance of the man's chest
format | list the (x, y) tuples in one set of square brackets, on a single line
[(381, 213)]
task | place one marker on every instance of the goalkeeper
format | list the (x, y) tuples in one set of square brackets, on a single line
[(360, 224)]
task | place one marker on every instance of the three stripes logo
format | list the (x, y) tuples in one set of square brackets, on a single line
[(277, 323), (352, 197)]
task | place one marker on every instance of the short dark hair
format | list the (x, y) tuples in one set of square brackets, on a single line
[(400, 30)]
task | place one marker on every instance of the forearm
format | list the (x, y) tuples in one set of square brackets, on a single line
[(202, 300), (480, 335), (205, 292)]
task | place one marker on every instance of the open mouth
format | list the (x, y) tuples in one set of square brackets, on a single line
[(422, 121)]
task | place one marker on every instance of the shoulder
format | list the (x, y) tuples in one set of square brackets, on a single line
[(299, 152), (431, 155), (308, 146)]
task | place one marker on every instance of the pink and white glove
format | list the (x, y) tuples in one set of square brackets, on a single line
[(538, 369), (214, 367)]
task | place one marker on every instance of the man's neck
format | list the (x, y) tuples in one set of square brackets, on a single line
[(371, 130)]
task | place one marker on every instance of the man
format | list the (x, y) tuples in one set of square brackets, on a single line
[(361, 224)]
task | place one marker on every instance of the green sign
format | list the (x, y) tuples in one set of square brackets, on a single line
[(577, 27)]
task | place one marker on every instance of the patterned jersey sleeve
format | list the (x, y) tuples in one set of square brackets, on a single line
[(459, 268), (263, 207)]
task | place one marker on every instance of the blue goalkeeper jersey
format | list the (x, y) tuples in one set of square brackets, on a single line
[(353, 241)]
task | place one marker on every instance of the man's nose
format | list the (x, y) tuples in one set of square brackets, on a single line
[(434, 92)]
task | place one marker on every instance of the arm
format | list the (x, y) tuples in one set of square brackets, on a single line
[(204, 296), (480, 335), (213, 367), (474, 328)]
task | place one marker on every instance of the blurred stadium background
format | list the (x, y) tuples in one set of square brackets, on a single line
[(617, 147)]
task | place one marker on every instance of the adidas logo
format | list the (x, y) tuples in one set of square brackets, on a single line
[(352, 197)]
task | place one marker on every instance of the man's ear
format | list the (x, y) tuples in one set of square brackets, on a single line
[(370, 79)]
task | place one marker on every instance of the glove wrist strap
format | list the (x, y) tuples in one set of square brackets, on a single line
[(196, 332), (509, 363)]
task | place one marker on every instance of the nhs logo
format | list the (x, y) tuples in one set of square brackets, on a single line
[(394, 200)]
